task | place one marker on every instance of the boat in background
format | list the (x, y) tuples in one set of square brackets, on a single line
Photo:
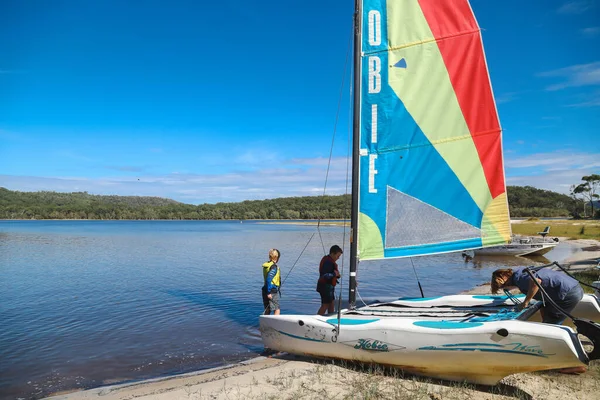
[(427, 178), (522, 246)]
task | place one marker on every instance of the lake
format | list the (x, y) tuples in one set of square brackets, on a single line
[(90, 303)]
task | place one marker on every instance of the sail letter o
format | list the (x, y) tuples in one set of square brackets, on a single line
[(374, 74), (374, 28)]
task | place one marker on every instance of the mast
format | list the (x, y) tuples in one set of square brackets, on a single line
[(355, 153)]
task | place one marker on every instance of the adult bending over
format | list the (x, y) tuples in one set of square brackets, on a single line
[(561, 288)]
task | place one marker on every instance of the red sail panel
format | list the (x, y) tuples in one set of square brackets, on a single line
[(454, 27)]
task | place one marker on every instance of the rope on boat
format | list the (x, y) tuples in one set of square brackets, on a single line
[(512, 297), (360, 298)]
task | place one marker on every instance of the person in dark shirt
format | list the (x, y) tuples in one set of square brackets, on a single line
[(565, 291), (328, 276)]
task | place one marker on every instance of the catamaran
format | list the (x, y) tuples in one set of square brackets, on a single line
[(428, 178)]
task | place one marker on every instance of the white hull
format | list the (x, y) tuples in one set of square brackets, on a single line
[(517, 249), (477, 352), (456, 337)]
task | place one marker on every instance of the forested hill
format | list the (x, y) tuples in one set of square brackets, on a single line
[(524, 202), (527, 201)]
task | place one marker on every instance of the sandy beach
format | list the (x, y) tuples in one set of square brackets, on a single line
[(290, 377)]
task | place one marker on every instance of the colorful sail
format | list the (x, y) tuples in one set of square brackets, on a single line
[(431, 169)]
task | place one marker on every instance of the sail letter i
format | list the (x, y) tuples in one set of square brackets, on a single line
[(373, 123)]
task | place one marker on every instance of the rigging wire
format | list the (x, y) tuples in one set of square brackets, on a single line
[(318, 230), (337, 117), (417, 276), (348, 158), (297, 259)]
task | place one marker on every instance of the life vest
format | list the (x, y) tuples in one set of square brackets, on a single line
[(335, 268), (266, 267)]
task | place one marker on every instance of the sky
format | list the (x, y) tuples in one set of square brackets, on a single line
[(230, 100)]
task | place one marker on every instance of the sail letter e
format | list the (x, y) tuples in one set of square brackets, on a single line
[(372, 173), (374, 74)]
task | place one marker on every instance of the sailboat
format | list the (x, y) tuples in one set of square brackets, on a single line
[(427, 178), (520, 246)]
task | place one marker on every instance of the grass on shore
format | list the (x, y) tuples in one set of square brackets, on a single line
[(573, 229), (346, 380), (588, 276)]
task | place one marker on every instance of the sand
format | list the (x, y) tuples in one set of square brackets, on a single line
[(290, 377)]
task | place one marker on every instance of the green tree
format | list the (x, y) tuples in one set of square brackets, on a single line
[(588, 190)]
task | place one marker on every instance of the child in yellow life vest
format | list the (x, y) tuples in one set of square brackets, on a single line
[(272, 282)]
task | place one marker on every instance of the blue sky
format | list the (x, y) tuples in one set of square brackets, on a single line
[(230, 100)]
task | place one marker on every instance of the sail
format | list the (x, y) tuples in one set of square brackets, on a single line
[(431, 173)]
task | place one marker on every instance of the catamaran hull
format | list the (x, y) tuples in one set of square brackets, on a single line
[(481, 353), (538, 249), (587, 308)]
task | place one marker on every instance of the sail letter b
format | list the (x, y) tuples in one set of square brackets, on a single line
[(372, 173), (374, 74), (374, 28)]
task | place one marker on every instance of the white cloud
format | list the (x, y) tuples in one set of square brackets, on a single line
[(591, 32), (574, 76), (295, 177), (506, 97), (10, 71), (302, 177), (575, 7), (564, 159), (126, 168), (551, 171), (587, 100)]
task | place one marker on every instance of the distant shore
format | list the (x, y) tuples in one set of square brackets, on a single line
[(288, 376)]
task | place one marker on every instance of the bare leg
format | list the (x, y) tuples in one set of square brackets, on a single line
[(331, 307), (322, 309), (276, 312)]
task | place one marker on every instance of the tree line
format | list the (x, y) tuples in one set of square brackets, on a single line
[(82, 205), (524, 201)]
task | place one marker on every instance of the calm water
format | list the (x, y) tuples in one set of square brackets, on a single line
[(88, 303)]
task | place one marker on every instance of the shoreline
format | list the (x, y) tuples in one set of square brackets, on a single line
[(288, 376)]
